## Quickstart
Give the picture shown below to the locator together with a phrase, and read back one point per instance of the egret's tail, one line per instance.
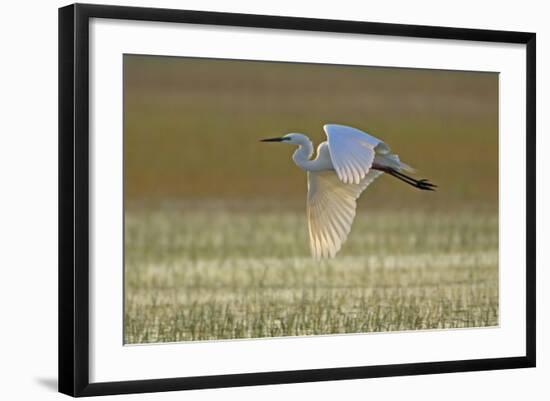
(406, 167)
(391, 160)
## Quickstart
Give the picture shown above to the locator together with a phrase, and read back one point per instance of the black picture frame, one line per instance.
(74, 198)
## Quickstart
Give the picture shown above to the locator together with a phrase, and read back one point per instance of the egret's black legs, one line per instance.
(423, 184)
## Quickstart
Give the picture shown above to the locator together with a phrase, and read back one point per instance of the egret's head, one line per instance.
(292, 138)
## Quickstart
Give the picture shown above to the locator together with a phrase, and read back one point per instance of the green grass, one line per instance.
(212, 272)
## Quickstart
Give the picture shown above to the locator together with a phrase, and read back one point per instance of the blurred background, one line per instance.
(192, 128)
(216, 243)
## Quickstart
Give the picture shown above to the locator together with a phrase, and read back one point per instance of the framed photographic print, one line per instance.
(250, 199)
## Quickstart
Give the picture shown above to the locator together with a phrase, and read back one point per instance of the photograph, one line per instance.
(271, 199)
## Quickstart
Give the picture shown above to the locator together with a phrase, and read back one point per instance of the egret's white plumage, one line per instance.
(352, 152)
(345, 165)
(331, 209)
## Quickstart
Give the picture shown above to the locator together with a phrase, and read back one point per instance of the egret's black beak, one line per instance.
(281, 139)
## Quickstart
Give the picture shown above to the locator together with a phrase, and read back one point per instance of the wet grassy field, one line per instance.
(215, 274)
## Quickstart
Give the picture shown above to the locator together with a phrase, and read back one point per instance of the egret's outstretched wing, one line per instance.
(352, 151)
(331, 210)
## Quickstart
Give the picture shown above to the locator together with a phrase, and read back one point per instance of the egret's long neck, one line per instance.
(302, 155)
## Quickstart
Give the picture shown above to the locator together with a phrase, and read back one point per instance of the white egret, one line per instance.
(345, 165)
